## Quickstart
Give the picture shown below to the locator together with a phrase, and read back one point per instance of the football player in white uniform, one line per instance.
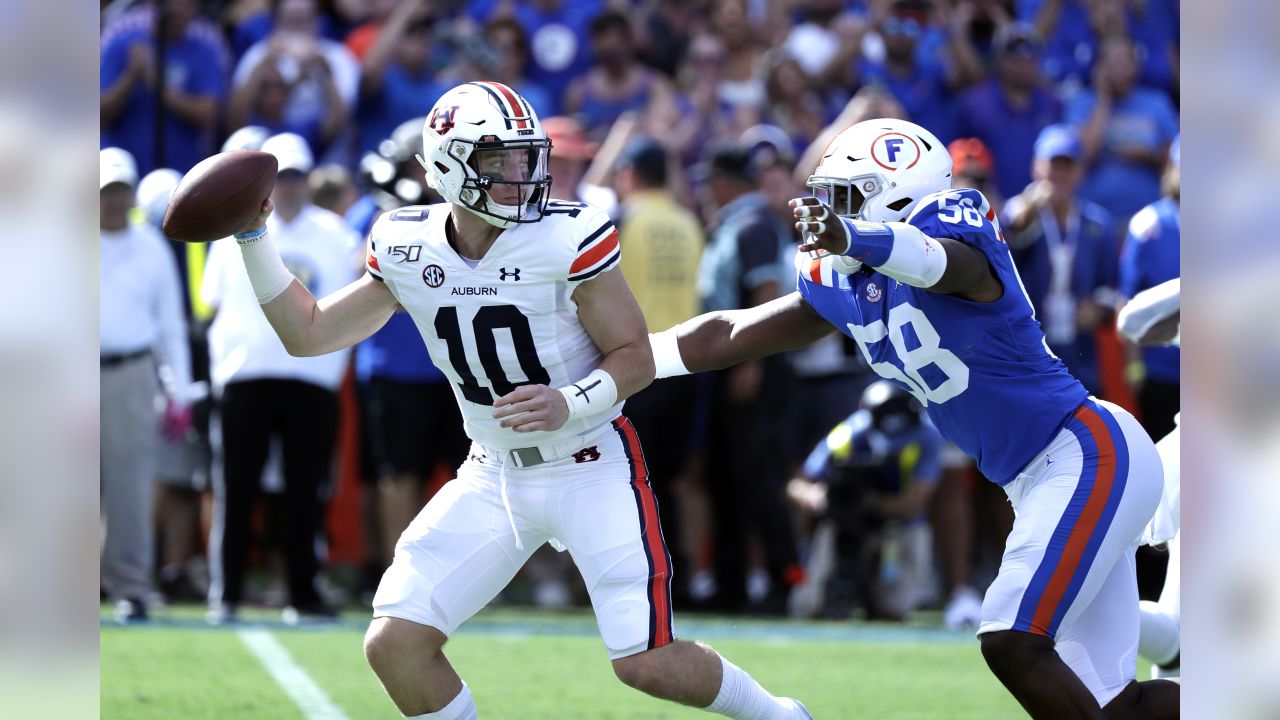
(1153, 318)
(522, 306)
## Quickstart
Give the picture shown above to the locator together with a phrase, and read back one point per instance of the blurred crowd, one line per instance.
(788, 485)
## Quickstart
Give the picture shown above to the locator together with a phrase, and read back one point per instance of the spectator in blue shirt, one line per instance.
(511, 56)
(924, 85)
(1150, 257)
(1008, 111)
(871, 480)
(1065, 250)
(617, 83)
(1073, 29)
(1126, 130)
(194, 85)
(558, 40)
(321, 78)
(397, 82)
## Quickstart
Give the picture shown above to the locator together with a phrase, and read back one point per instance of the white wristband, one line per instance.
(916, 259)
(594, 393)
(666, 354)
(267, 273)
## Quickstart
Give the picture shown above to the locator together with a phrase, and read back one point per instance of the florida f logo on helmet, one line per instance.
(485, 150)
(895, 151)
(878, 170)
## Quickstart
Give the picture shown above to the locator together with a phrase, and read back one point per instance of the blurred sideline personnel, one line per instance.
(1151, 256)
(190, 91)
(1153, 318)
(746, 483)
(919, 275)
(871, 481)
(265, 395)
(1065, 250)
(969, 516)
(661, 247)
(182, 471)
(141, 330)
(409, 420)
(521, 305)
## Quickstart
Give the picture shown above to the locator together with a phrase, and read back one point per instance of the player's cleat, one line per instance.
(964, 610)
(131, 610)
(799, 706)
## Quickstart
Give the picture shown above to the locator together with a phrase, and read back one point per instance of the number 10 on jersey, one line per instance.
(484, 326)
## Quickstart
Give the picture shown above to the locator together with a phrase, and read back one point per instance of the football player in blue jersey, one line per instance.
(918, 274)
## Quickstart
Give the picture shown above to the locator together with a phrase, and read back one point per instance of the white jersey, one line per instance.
(508, 321)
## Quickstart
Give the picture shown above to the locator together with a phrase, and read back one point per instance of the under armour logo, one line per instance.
(583, 390)
(586, 455)
(515, 274)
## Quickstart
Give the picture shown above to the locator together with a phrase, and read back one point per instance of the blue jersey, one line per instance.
(982, 370)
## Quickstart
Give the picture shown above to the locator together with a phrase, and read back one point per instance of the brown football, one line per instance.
(220, 195)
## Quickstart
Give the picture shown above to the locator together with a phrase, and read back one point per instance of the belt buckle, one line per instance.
(527, 457)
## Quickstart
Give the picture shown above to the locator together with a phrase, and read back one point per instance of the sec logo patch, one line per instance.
(874, 293)
(433, 276)
(895, 151)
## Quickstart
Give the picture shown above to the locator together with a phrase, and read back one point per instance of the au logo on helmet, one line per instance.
(442, 119)
(895, 151)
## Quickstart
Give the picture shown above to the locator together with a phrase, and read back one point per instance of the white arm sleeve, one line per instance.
(1148, 308)
(666, 354)
(916, 259)
(267, 273)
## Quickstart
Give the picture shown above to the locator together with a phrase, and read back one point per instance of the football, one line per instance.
(220, 195)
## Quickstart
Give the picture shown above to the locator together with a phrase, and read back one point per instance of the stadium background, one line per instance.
(772, 77)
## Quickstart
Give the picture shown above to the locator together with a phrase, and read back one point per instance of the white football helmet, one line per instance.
(486, 116)
(878, 170)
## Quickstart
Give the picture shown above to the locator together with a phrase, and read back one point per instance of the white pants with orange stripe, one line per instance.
(1068, 569)
(461, 550)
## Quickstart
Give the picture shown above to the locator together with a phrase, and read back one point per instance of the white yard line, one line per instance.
(291, 678)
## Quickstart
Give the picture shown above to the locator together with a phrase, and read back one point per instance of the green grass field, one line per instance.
(531, 665)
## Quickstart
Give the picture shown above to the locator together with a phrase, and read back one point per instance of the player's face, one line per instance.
(290, 192)
(1062, 172)
(114, 203)
(840, 198)
(509, 165)
(900, 33)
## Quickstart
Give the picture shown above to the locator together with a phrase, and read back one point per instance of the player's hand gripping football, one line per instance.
(820, 227)
(529, 408)
(260, 221)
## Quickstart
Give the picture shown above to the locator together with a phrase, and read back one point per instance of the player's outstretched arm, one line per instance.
(717, 340)
(1152, 316)
(306, 326)
(901, 251)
